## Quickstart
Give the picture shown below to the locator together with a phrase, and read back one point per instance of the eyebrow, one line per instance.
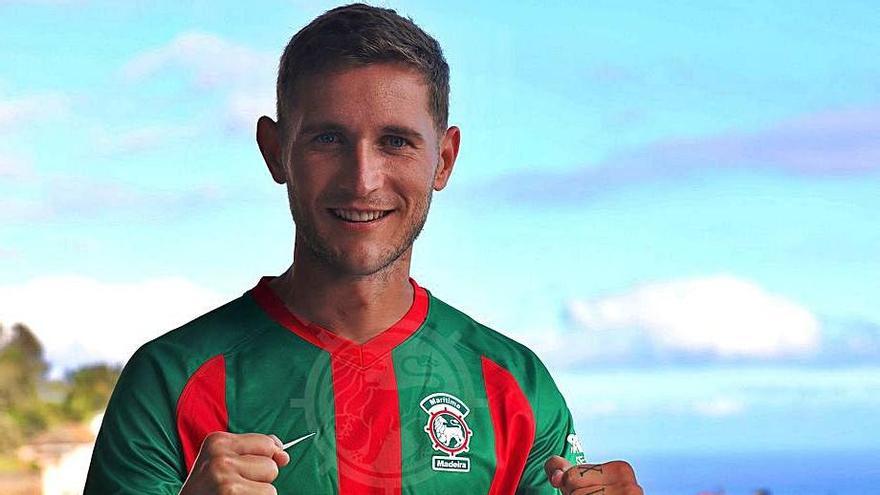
(401, 130)
(321, 127)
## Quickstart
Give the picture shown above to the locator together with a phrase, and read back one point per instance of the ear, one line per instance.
(448, 153)
(270, 147)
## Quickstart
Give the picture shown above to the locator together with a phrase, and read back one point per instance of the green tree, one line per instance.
(89, 389)
(22, 374)
(30, 403)
(22, 366)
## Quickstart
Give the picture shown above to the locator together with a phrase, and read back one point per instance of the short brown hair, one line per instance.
(360, 34)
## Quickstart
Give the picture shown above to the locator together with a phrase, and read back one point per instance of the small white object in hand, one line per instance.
(298, 440)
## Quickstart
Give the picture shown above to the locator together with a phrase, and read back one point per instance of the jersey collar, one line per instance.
(360, 355)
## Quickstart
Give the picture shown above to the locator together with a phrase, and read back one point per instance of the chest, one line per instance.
(404, 422)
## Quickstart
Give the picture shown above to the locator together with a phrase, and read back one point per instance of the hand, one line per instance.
(610, 478)
(236, 463)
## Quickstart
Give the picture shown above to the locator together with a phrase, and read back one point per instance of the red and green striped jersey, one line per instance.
(435, 404)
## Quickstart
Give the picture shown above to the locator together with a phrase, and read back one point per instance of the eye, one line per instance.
(395, 141)
(327, 138)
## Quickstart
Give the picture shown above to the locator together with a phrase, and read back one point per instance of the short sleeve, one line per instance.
(554, 435)
(137, 449)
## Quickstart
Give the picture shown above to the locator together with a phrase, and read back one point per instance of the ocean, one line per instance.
(838, 473)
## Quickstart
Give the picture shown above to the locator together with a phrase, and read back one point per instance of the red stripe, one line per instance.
(368, 454)
(201, 408)
(514, 424)
(366, 409)
(365, 354)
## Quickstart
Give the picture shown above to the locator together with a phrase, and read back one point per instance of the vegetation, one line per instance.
(31, 403)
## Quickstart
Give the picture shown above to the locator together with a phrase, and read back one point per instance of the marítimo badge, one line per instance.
(448, 431)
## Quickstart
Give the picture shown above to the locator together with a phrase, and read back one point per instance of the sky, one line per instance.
(673, 203)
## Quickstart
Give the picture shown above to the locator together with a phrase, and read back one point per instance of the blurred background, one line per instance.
(674, 203)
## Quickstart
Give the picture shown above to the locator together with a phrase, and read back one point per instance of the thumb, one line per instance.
(555, 467)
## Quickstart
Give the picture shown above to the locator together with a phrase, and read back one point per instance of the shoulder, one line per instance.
(495, 348)
(142, 423)
(177, 354)
(508, 368)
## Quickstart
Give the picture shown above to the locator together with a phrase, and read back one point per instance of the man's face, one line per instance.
(361, 156)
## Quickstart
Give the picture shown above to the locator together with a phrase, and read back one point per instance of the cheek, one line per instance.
(420, 182)
(308, 178)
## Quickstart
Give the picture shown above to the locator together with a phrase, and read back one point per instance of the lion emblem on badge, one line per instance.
(448, 431)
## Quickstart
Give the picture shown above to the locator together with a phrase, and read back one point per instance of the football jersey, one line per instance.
(438, 403)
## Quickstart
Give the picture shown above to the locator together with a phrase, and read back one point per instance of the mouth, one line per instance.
(359, 216)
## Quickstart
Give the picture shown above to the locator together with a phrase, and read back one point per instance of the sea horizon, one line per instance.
(839, 472)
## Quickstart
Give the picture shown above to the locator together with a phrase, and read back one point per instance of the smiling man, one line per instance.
(383, 388)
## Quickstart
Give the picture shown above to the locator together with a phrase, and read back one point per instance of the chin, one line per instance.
(362, 263)
(354, 257)
(371, 265)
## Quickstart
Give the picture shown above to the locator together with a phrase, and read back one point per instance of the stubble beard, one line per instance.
(337, 261)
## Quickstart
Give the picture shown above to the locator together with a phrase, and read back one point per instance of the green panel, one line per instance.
(433, 361)
(553, 425)
(137, 449)
(279, 384)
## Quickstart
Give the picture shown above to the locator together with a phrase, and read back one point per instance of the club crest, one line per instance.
(448, 431)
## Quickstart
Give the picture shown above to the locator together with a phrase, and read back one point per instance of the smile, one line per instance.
(359, 216)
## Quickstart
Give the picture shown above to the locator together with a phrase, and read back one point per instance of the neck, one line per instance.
(357, 307)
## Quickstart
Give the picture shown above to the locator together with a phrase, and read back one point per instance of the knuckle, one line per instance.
(230, 490)
(222, 464)
(221, 481)
(215, 441)
(634, 490)
(268, 470)
(267, 443)
(569, 477)
(621, 469)
(215, 436)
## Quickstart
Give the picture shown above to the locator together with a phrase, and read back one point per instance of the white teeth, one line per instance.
(359, 216)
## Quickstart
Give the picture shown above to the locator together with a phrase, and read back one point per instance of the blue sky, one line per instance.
(682, 196)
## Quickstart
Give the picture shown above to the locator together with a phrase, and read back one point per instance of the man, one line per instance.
(386, 388)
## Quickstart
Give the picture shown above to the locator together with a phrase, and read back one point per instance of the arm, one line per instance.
(137, 449)
(554, 434)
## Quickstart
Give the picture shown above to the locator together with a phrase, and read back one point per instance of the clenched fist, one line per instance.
(236, 463)
(610, 478)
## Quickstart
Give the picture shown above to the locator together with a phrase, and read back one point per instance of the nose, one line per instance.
(364, 173)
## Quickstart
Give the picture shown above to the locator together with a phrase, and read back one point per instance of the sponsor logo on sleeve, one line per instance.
(448, 431)
(575, 449)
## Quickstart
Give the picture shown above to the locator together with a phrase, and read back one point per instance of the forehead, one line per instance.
(375, 92)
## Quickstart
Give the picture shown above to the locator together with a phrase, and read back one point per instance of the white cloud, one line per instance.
(711, 392)
(25, 109)
(81, 320)
(142, 139)
(601, 407)
(722, 316)
(245, 108)
(72, 198)
(15, 167)
(9, 253)
(699, 319)
(207, 61)
(43, 2)
(719, 407)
